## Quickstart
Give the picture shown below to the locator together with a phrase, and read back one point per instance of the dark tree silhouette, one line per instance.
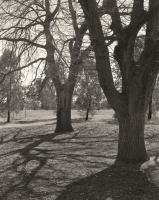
(138, 78)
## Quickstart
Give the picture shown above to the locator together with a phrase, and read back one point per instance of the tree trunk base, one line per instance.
(62, 129)
(131, 146)
(132, 160)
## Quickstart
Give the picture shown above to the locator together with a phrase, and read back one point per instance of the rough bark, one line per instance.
(64, 100)
(131, 146)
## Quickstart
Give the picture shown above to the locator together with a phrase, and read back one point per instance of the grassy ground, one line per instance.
(41, 117)
(37, 164)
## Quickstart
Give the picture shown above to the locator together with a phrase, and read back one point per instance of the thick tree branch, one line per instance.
(73, 16)
(138, 10)
(101, 52)
(111, 8)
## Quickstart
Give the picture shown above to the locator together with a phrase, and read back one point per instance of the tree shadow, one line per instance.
(26, 166)
(20, 175)
(118, 182)
(37, 163)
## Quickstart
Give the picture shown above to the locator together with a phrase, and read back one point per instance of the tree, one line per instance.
(34, 25)
(10, 88)
(37, 28)
(41, 95)
(32, 95)
(154, 107)
(88, 90)
(48, 96)
(155, 96)
(138, 78)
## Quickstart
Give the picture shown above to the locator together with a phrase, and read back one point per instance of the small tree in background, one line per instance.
(41, 96)
(48, 96)
(155, 98)
(33, 95)
(88, 91)
(10, 88)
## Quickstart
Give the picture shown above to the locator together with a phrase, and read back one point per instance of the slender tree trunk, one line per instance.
(150, 109)
(8, 109)
(87, 114)
(9, 101)
(25, 113)
(8, 116)
(42, 106)
(64, 99)
(88, 110)
(131, 145)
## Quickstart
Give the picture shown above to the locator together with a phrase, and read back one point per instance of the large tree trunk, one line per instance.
(64, 99)
(131, 145)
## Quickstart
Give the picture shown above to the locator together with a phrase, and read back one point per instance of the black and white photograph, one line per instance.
(79, 99)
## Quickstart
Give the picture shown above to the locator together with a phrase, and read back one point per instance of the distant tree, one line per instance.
(32, 95)
(39, 95)
(150, 110)
(153, 107)
(48, 96)
(88, 90)
(10, 88)
(155, 98)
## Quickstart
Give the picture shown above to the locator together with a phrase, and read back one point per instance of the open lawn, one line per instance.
(41, 117)
(37, 164)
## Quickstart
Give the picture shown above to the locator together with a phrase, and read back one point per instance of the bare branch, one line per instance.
(101, 52)
(20, 68)
(56, 9)
(111, 8)
(73, 15)
(23, 40)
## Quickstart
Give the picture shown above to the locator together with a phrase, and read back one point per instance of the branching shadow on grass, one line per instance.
(116, 183)
(43, 164)
(22, 178)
